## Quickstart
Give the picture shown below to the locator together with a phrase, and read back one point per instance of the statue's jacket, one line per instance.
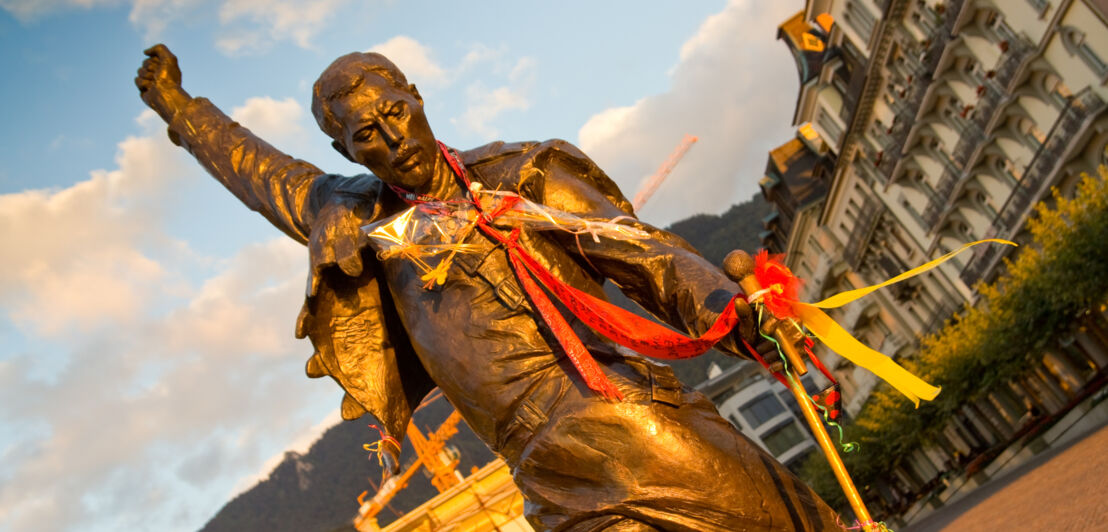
(388, 341)
(352, 322)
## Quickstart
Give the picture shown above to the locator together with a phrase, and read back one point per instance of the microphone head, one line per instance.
(738, 264)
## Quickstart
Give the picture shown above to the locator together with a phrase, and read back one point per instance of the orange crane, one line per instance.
(651, 185)
(431, 452)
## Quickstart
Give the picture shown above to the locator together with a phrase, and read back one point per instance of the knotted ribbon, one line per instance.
(779, 296)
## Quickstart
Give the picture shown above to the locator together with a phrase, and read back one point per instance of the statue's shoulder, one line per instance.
(366, 185)
(519, 153)
(527, 166)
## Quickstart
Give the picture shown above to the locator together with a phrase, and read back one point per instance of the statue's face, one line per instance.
(385, 130)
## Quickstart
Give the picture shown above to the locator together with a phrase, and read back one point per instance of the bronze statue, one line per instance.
(659, 459)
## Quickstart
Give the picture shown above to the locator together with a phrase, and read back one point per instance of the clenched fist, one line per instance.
(159, 82)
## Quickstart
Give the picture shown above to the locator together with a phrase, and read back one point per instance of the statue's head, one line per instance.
(375, 118)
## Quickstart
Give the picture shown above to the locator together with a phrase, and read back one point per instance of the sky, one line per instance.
(148, 371)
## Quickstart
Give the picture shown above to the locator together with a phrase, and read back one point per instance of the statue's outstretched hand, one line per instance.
(738, 265)
(159, 82)
(747, 326)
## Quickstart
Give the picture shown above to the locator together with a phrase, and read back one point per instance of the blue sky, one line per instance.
(148, 369)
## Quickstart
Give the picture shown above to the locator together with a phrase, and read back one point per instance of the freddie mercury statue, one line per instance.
(659, 458)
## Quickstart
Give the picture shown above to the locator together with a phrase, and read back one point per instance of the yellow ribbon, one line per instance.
(841, 342)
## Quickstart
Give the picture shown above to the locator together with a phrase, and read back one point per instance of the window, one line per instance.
(814, 244)
(1008, 169)
(827, 123)
(730, 392)
(925, 186)
(986, 205)
(783, 438)
(762, 409)
(797, 462)
(913, 212)
(1060, 96)
(860, 18)
(1098, 65)
(1004, 33)
(809, 385)
(965, 231)
(1035, 136)
(1075, 43)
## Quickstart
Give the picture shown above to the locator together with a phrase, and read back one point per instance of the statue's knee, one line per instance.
(615, 523)
(627, 524)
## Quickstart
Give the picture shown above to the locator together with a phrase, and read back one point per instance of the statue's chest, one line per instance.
(457, 291)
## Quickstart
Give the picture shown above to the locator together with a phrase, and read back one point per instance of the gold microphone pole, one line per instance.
(739, 266)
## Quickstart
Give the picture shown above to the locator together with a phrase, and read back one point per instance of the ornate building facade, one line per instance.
(924, 125)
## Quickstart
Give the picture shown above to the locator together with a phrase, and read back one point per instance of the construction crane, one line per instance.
(651, 185)
(431, 452)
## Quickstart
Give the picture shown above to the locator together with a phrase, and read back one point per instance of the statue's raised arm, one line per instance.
(295, 196)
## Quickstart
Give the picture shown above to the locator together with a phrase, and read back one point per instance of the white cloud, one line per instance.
(222, 315)
(73, 260)
(523, 71)
(254, 25)
(276, 121)
(484, 106)
(606, 125)
(302, 444)
(478, 54)
(27, 10)
(153, 16)
(135, 396)
(719, 93)
(414, 59)
(247, 26)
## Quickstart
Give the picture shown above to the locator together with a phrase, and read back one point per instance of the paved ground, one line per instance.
(1060, 489)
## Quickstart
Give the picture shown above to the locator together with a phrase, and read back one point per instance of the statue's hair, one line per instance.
(342, 77)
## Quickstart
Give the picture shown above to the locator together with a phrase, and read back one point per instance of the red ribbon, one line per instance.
(616, 324)
(779, 285)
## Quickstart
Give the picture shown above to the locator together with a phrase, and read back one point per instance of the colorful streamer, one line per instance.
(778, 294)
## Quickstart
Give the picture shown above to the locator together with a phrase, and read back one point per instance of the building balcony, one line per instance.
(938, 203)
(867, 170)
(1044, 166)
(983, 259)
(973, 134)
(1018, 50)
(1048, 158)
(996, 84)
(922, 78)
(868, 217)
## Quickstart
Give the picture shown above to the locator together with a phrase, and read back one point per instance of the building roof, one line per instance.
(797, 167)
(807, 43)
